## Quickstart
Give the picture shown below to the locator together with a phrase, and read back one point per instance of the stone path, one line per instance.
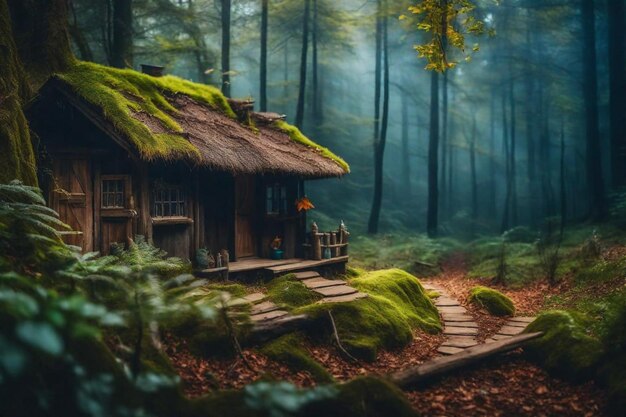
(460, 329)
(332, 290)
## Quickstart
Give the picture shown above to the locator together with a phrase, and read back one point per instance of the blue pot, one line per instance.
(277, 254)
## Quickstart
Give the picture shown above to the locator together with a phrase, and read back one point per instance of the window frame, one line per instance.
(276, 199)
(126, 191)
(158, 205)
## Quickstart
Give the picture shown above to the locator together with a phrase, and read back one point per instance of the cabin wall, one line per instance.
(216, 202)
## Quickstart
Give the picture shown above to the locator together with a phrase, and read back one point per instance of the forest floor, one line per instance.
(506, 385)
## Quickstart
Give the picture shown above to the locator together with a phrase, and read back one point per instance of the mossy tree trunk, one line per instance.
(122, 45)
(33, 44)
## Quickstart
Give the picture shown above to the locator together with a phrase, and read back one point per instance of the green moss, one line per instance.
(493, 301)
(236, 290)
(396, 306)
(288, 350)
(297, 136)
(612, 370)
(17, 160)
(565, 348)
(364, 397)
(122, 92)
(290, 292)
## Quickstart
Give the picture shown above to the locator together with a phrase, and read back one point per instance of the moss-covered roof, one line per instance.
(168, 118)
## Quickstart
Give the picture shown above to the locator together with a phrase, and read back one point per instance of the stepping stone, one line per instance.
(517, 324)
(466, 331)
(335, 291)
(452, 310)
(446, 302)
(306, 275)
(457, 317)
(269, 316)
(523, 319)
(322, 283)
(510, 331)
(501, 336)
(449, 350)
(254, 297)
(343, 298)
(460, 342)
(461, 324)
(264, 307)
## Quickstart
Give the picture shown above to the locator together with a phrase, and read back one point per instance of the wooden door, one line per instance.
(116, 209)
(72, 197)
(245, 225)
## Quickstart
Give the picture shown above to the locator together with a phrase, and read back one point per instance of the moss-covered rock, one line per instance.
(565, 348)
(397, 305)
(288, 350)
(612, 370)
(493, 301)
(289, 292)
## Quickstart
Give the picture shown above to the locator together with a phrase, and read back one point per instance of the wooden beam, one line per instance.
(439, 366)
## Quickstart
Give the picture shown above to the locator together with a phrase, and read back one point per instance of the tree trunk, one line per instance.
(316, 88)
(405, 158)
(16, 153)
(617, 90)
(226, 7)
(506, 212)
(41, 38)
(513, 163)
(379, 146)
(122, 42)
(303, 64)
(562, 181)
(598, 208)
(432, 218)
(444, 146)
(472, 151)
(492, 158)
(263, 81)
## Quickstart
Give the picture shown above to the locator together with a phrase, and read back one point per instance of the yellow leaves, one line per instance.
(304, 204)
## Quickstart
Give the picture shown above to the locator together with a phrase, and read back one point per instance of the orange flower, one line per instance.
(304, 204)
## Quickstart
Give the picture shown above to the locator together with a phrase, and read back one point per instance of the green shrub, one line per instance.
(565, 348)
(520, 234)
(493, 301)
(397, 305)
(288, 350)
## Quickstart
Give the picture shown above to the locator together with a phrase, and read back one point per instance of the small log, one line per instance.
(264, 331)
(439, 366)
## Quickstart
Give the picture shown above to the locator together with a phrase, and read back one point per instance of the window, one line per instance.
(113, 193)
(169, 201)
(276, 199)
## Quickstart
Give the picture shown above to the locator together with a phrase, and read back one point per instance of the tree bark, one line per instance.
(432, 218)
(444, 146)
(226, 8)
(315, 87)
(513, 151)
(263, 81)
(598, 207)
(122, 42)
(562, 181)
(472, 152)
(617, 90)
(492, 158)
(405, 164)
(34, 43)
(303, 64)
(506, 212)
(379, 146)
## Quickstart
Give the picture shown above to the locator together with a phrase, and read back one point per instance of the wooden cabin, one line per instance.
(175, 162)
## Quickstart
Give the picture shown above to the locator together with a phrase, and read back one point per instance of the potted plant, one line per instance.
(275, 251)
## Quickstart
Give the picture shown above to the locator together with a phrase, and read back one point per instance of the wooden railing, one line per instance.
(326, 245)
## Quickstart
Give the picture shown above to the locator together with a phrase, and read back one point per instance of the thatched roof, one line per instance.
(170, 119)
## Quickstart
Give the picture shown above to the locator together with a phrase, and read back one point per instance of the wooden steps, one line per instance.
(333, 290)
(304, 265)
(513, 327)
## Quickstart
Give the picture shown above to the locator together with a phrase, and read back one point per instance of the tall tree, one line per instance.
(316, 85)
(303, 63)
(122, 42)
(33, 44)
(225, 18)
(432, 217)
(617, 90)
(264, 28)
(381, 141)
(597, 204)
